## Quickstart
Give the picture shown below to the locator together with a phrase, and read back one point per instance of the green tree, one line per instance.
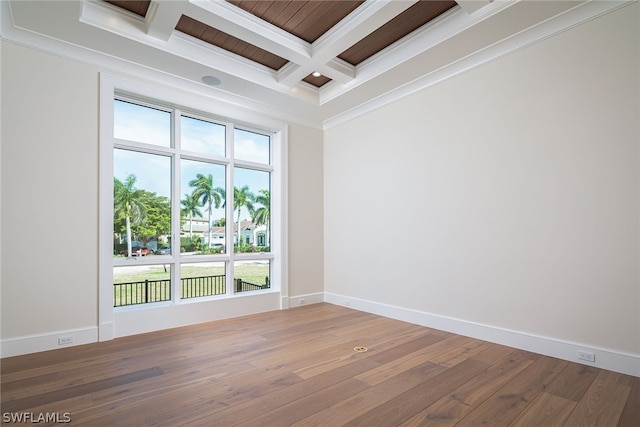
(207, 195)
(262, 215)
(190, 208)
(242, 198)
(158, 217)
(128, 202)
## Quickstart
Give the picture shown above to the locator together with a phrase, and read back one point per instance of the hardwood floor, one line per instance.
(298, 367)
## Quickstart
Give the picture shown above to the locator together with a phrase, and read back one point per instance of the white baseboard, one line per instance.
(305, 299)
(50, 341)
(604, 358)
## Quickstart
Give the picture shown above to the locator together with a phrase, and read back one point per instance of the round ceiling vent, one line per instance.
(211, 80)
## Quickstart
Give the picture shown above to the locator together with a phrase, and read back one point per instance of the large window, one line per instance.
(192, 205)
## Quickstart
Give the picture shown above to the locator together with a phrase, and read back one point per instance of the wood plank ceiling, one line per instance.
(306, 20)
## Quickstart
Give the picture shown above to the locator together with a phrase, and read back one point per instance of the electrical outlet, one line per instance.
(301, 301)
(586, 356)
(65, 340)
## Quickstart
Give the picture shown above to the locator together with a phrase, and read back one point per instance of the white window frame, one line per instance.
(198, 106)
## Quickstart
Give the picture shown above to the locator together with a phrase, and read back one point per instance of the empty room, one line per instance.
(320, 213)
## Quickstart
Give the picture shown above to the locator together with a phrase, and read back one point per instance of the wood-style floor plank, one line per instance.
(559, 399)
(604, 401)
(454, 406)
(255, 407)
(548, 410)
(395, 361)
(400, 408)
(505, 405)
(372, 397)
(298, 367)
(631, 412)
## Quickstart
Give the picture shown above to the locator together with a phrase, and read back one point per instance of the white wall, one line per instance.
(507, 196)
(306, 250)
(50, 204)
(1, 176)
(49, 193)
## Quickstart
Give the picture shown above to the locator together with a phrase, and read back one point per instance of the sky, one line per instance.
(153, 171)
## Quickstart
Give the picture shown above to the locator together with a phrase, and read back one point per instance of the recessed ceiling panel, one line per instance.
(139, 7)
(405, 23)
(318, 81)
(228, 42)
(307, 20)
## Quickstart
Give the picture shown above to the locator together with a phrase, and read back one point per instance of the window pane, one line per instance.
(202, 222)
(141, 124)
(251, 146)
(251, 275)
(203, 137)
(251, 207)
(141, 202)
(141, 284)
(202, 279)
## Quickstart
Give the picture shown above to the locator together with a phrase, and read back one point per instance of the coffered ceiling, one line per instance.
(306, 21)
(310, 60)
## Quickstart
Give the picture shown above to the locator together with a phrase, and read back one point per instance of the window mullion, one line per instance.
(175, 207)
(229, 211)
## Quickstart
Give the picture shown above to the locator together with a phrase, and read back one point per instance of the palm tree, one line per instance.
(128, 201)
(262, 215)
(190, 208)
(242, 198)
(206, 194)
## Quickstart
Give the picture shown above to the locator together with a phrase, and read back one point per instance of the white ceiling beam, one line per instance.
(471, 6)
(287, 70)
(357, 25)
(162, 17)
(110, 18)
(234, 21)
(339, 70)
